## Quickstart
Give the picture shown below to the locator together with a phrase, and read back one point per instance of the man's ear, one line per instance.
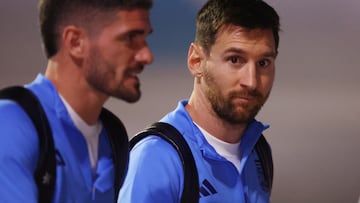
(74, 41)
(195, 58)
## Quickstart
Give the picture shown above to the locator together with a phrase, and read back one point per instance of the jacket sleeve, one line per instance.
(154, 175)
(18, 154)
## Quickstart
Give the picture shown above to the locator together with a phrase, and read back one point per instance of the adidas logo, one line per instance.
(206, 189)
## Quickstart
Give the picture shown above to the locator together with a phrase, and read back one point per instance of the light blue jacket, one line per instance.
(155, 172)
(19, 152)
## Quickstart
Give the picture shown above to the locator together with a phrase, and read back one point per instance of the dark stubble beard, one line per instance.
(100, 73)
(225, 109)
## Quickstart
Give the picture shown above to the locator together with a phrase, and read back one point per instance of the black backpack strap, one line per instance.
(169, 133)
(119, 145)
(45, 172)
(263, 150)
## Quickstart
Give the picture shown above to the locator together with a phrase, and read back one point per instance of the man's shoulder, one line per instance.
(18, 135)
(12, 113)
(153, 144)
(16, 126)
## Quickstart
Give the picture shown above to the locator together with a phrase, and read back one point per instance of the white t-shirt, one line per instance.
(91, 134)
(231, 151)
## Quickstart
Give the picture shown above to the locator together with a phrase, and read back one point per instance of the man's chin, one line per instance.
(243, 115)
(129, 97)
(132, 99)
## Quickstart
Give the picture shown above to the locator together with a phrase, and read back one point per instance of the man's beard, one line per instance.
(225, 107)
(100, 73)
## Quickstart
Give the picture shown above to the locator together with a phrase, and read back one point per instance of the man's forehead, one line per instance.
(238, 33)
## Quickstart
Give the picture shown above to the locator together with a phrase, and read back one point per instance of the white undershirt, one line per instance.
(91, 134)
(231, 151)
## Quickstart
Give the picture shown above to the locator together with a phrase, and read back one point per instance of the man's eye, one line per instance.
(264, 63)
(234, 59)
(130, 37)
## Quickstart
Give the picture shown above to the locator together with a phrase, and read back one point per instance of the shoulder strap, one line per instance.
(119, 145)
(169, 133)
(45, 172)
(263, 150)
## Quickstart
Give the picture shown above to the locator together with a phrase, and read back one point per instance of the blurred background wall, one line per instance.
(313, 109)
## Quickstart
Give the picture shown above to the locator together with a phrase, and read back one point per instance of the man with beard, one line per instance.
(233, 64)
(95, 50)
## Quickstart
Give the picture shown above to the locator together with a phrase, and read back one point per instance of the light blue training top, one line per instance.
(19, 152)
(156, 175)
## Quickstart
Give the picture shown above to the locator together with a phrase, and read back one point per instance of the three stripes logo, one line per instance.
(206, 189)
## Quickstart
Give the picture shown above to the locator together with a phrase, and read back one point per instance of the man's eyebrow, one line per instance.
(140, 31)
(234, 50)
(271, 54)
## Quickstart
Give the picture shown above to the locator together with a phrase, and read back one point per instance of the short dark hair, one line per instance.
(53, 14)
(250, 14)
